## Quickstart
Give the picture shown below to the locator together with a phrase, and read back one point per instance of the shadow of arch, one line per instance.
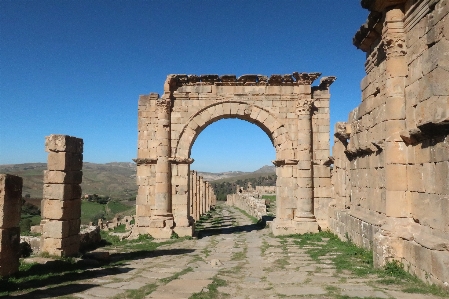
(257, 115)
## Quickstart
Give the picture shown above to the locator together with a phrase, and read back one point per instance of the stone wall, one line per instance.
(249, 201)
(266, 189)
(10, 206)
(391, 158)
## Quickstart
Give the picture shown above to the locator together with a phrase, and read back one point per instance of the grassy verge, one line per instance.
(62, 271)
(347, 256)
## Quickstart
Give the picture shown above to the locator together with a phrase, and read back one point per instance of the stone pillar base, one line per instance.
(155, 232)
(184, 231)
(290, 227)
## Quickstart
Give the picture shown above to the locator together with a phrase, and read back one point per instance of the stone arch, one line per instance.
(281, 105)
(259, 116)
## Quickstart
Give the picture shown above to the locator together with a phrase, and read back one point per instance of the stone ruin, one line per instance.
(248, 200)
(10, 206)
(391, 157)
(293, 113)
(389, 189)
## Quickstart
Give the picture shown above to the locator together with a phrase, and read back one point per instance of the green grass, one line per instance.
(116, 207)
(89, 210)
(347, 256)
(62, 271)
(271, 198)
(213, 292)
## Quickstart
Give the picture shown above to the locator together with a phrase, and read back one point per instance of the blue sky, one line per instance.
(78, 67)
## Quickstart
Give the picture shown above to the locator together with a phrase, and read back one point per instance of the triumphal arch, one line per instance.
(293, 113)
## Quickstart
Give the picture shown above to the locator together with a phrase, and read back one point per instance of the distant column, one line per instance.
(61, 204)
(10, 206)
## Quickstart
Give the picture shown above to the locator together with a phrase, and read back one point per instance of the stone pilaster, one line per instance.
(10, 206)
(393, 38)
(61, 204)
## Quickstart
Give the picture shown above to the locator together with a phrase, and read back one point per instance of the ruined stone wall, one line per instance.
(266, 189)
(248, 201)
(391, 159)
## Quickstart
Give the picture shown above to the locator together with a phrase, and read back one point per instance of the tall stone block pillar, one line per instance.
(61, 204)
(393, 38)
(10, 206)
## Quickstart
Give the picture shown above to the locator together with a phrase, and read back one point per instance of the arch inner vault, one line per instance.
(294, 114)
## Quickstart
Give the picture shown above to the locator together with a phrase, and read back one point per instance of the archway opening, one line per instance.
(235, 155)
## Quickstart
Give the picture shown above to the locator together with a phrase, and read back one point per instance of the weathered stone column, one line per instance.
(396, 69)
(198, 196)
(304, 217)
(162, 198)
(10, 206)
(192, 193)
(61, 204)
(202, 196)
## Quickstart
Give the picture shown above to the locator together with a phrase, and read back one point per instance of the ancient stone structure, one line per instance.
(294, 115)
(199, 203)
(391, 158)
(61, 204)
(249, 201)
(10, 206)
(266, 189)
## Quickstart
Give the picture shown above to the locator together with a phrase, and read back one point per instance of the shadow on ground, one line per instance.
(63, 271)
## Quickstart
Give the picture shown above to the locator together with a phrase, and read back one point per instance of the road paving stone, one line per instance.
(252, 262)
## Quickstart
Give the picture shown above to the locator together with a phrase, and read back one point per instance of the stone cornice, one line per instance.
(174, 160)
(368, 32)
(380, 5)
(145, 161)
(249, 80)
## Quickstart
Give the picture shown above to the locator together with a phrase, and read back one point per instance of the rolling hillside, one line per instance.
(116, 180)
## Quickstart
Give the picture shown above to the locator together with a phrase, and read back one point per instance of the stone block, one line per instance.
(62, 177)
(442, 178)
(62, 191)
(10, 200)
(9, 251)
(55, 209)
(63, 143)
(61, 247)
(396, 177)
(60, 229)
(440, 265)
(65, 161)
(397, 204)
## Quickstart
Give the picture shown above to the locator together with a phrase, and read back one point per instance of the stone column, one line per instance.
(396, 69)
(304, 217)
(61, 204)
(198, 196)
(162, 198)
(10, 206)
(202, 196)
(192, 193)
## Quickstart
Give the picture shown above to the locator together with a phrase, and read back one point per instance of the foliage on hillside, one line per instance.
(223, 188)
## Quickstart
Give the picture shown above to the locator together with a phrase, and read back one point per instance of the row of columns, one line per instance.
(202, 196)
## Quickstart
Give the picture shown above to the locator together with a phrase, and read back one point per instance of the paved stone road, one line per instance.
(253, 264)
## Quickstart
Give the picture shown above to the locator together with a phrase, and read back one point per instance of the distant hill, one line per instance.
(116, 179)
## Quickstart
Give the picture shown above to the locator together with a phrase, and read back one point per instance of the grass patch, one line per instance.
(120, 229)
(212, 292)
(347, 256)
(253, 219)
(176, 275)
(139, 293)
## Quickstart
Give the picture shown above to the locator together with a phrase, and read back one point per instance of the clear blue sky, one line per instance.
(78, 67)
